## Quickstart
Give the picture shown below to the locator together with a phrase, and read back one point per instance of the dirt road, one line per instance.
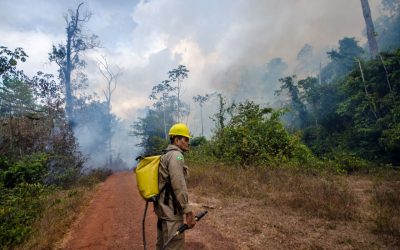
(113, 220)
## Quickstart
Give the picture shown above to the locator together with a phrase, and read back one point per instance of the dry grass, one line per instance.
(386, 204)
(315, 195)
(62, 208)
(286, 208)
(328, 197)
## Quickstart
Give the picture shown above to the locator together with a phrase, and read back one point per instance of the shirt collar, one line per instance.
(173, 147)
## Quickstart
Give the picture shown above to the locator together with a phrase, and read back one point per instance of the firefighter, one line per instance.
(172, 208)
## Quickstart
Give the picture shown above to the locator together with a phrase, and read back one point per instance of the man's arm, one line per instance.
(178, 182)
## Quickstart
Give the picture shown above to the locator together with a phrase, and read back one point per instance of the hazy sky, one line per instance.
(214, 39)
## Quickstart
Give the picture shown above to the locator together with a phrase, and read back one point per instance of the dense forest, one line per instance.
(347, 112)
(344, 116)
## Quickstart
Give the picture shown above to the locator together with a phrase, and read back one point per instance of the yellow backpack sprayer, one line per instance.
(147, 182)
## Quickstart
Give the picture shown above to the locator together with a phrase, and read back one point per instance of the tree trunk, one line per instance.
(201, 111)
(373, 46)
(371, 101)
(165, 125)
(179, 104)
(319, 76)
(67, 73)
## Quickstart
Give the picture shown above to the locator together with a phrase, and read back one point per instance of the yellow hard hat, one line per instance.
(179, 129)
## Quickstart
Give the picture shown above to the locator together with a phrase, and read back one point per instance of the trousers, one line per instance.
(165, 230)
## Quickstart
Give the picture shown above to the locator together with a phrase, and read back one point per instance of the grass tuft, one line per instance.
(325, 197)
(386, 203)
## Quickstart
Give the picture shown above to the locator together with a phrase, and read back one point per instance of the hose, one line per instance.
(143, 226)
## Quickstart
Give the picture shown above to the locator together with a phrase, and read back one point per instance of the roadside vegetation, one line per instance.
(36, 211)
(43, 181)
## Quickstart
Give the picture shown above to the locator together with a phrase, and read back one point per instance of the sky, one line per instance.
(227, 45)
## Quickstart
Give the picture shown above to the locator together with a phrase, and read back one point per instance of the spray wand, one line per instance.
(184, 227)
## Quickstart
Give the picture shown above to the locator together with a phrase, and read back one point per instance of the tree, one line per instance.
(310, 94)
(150, 131)
(9, 60)
(274, 70)
(373, 46)
(296, 104)
(374, 130)
(47, 91)
(306, 62)
(178, 75)
(67, 56)
(387, 26)
(220, 116)
(111, 77)
(201, 100)
(34, 123)
(342, 60)
(161, 94)
(16, 97)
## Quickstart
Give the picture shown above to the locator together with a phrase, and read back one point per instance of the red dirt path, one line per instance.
(113, 220)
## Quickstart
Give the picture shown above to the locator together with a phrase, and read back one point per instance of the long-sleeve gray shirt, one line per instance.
(173, 169)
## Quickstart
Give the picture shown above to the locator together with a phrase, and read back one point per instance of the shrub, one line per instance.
(201, 154)
(30, 169)
(348, 163)
(94, 176)
(197, 141)
(24, 195)
(255, 135)
(19, 207)
(64, 170)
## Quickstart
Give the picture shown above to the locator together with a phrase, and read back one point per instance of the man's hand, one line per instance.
(190, 221)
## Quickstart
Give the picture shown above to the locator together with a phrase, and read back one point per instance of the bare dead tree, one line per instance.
(178, 75)
(67, 56)
(201, 100)
(111, 77)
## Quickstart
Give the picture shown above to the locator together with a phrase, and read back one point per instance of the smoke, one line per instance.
(239, 48)
(92, 133)
(230, 47)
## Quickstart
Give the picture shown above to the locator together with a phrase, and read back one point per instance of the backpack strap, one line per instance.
(169, 191)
